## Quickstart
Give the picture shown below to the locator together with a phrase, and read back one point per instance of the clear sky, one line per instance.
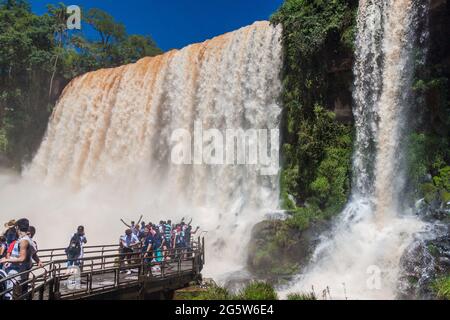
(177, 23)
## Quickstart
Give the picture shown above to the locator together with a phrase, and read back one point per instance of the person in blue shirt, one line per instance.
(147, 246)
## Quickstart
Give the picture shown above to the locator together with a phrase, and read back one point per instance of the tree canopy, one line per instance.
(39, 56)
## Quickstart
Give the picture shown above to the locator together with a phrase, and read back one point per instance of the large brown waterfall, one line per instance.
(107, 151)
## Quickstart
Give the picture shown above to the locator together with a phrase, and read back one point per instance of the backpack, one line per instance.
(74, 248)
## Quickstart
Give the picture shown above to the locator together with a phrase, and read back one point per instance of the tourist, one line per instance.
(144, 231)
(75, 250)
(147, 248)
(152, 229)
(3, 249)
(168, 233)
(19, 259)
(179, 240)
(158, 245)
(128, 243)
(137, 231)
(11, 232)
(133, 225)
(188, 233)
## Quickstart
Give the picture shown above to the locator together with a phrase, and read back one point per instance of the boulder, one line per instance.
(277, 251)
(425, 260)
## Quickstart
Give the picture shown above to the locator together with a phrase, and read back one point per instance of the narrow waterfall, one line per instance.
(360, 258)
(107, 151)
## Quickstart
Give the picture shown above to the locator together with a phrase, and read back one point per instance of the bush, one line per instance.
(214, 293)
(317, 170)
(257, 291)
(439, 189)
(441, 287)
(302, 217)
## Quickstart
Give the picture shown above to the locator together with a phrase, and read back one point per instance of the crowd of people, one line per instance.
(18, 251)
(155, 243)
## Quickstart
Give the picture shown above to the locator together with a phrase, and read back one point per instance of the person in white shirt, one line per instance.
(128, 243)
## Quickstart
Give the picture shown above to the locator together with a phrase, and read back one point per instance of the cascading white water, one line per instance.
(360, 258)
(107, 151)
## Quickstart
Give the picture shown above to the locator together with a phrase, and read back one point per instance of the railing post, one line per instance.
(202, 250)
(90, 277)
(117, 276)
(103, 264)
(41, 293)
(52, 286)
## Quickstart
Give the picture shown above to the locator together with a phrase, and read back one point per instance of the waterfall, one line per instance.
(107, 151)
(360, 258)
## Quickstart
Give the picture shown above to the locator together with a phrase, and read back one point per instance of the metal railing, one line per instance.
(48, 255)
(103, 268)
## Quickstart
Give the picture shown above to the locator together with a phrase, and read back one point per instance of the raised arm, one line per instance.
(125, 223)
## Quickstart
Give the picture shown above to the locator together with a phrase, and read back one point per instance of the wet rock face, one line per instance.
(435, 211)
(277, 251)
(3, 160)
(426, 259)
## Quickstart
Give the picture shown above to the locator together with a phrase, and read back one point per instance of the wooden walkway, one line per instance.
(103, 276)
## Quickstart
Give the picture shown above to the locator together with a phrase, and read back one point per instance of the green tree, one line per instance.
(39, 56)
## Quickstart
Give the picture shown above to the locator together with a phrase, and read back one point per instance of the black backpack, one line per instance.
(74, 248)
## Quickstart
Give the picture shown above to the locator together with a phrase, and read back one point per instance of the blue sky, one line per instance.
(177, 23)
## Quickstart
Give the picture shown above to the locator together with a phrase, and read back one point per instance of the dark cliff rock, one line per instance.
(438, 67)
(4, 161)
(277, 250)
(426, 260)
(340, 91)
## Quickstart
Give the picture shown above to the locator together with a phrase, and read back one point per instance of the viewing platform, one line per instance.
(103, 276)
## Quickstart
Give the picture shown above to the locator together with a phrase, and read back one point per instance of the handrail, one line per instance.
(45, 282)
(60, 252)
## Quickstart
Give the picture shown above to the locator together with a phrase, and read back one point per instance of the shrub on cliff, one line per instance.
(257, 291)
(441, 287)
(316, 148)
